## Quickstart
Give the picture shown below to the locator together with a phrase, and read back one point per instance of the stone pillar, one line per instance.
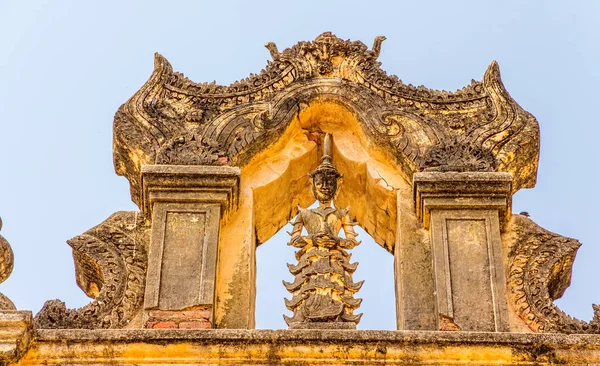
(465, 213)
(186, 205)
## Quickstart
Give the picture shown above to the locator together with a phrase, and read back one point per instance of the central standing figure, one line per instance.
(323, 290)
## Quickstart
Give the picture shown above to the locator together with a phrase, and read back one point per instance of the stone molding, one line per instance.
(462, 190)
(321, 347)
(190, 184)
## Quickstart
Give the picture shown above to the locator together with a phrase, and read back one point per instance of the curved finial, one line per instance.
(272, 47)
(377, 45)
(161, 64)
(492, 74)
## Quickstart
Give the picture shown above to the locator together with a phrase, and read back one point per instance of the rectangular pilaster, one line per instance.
(464, 213)
(415, 285)
(186, 205)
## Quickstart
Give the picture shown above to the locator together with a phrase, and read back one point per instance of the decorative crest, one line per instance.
(415, 126)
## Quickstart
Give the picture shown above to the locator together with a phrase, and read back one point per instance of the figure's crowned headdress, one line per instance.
(326, 167)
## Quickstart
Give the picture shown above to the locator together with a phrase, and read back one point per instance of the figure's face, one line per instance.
(324, 187)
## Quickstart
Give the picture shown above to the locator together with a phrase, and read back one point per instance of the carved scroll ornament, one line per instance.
(540, 264)
(479, 127)
(191, 150)
(110, 265)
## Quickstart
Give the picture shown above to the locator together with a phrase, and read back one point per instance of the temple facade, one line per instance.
(218, 170)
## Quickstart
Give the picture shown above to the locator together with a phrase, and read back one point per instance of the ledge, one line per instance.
(189, 183)
(264, 347)
(462, 190)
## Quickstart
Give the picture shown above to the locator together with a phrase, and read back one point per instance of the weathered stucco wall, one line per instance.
(301, 347)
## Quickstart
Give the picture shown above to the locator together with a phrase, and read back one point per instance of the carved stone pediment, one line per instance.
(172, 120)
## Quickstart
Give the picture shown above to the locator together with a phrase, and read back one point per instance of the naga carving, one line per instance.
(7, 262)
(323, 289)
(110, 266)
(540, 264)
(480, 125)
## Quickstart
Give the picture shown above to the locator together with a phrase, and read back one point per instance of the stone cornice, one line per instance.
(180, 183)
(262, 347)
(466, 190)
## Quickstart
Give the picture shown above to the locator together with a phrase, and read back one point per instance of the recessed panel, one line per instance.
(470, 279)
(181, 267)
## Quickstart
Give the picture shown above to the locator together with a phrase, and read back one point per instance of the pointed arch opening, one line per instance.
(275, 183)
(375, 268)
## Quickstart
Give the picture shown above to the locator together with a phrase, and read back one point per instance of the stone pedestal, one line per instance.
(186, 205)
(16, 328)
(465, 213)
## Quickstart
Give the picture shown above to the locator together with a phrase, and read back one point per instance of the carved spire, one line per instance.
(326, 166)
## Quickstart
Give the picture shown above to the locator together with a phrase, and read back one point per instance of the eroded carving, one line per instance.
(7, 262)
(323, 289)
(190, 150)
(540, 264)
(459, 156)
(411, 124)
(110, 264)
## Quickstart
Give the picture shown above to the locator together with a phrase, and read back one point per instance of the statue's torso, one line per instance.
(323, 221)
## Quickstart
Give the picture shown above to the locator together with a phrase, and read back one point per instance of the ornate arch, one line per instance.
(479, 127)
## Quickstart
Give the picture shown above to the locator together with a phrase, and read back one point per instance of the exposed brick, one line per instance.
(195, 325)
(197, 314)
(164, 325)
(166, 314)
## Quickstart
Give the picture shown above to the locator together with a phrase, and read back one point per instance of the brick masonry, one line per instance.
(191, 318)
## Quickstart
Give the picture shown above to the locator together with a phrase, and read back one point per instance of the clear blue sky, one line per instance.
(66, 66)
